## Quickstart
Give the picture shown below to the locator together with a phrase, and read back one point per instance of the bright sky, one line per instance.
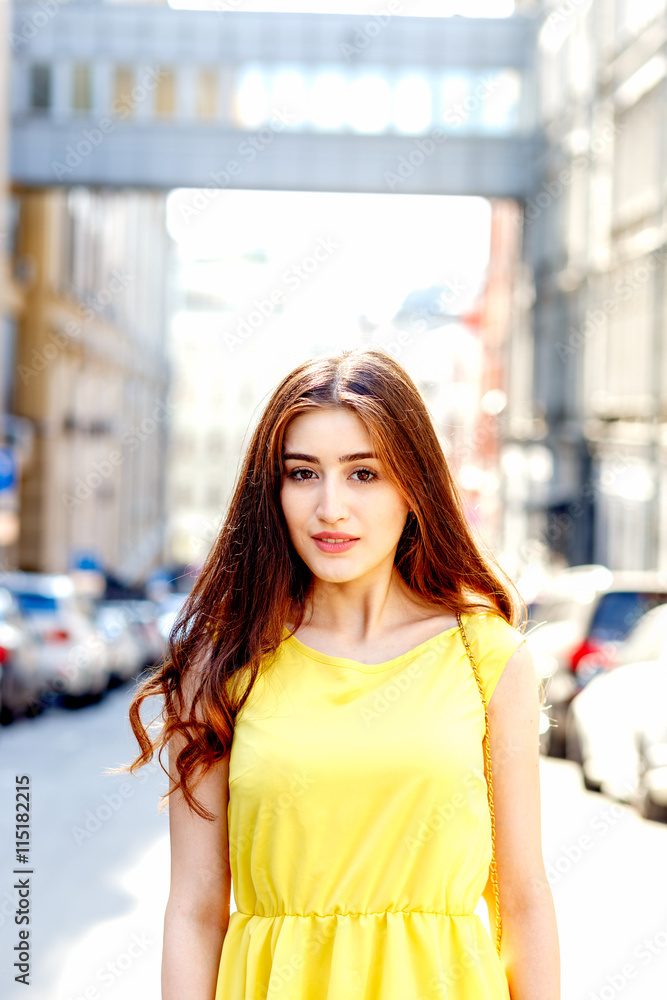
(383, 246)
(386, 245)
(408, 8)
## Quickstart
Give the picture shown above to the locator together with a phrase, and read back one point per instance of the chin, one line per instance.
(335, 574)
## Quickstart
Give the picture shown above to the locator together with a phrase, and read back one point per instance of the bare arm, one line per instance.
(197, 912)
(530, 951)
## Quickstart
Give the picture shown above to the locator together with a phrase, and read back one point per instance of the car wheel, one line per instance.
(74, 701)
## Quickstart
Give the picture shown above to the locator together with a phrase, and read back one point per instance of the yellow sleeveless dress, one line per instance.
(359, 826)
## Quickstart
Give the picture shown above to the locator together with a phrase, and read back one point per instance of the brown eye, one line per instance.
(297, 473)
(367, 474)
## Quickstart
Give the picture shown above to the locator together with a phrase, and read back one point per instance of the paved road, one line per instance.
(101, 870)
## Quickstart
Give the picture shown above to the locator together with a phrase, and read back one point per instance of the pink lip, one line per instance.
(334, 534)
(344, 546)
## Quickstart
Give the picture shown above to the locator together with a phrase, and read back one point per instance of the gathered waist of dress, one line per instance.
(351, 913)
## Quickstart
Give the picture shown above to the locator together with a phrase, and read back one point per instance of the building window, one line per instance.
(81, 88)
(207, 93)
(123, 102)
(165, 93)
(40, 87)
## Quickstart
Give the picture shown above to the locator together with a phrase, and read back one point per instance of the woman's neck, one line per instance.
(363, 609)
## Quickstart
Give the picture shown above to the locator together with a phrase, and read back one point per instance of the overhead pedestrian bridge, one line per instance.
(152, 97)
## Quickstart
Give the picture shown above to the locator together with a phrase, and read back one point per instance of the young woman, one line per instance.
(348, 696)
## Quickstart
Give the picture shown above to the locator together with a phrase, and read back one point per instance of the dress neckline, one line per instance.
(344, 661)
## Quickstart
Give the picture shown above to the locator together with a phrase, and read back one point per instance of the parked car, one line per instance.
(72, 654)
(168, 611)
(581, 616)
(651, 795)
(20, 679)
(125, 651)
(141, 617)
(609, 721)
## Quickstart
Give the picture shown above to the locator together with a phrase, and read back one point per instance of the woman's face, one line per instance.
(333, 488)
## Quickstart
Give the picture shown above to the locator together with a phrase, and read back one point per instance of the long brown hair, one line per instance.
(253, 581)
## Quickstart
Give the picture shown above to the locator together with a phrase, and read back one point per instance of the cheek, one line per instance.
(292, 505)
(392, 510)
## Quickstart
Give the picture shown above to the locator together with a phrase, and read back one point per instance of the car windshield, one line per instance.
(619, 611)
(35, 603)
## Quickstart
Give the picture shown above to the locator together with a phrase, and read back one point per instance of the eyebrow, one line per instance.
(357, 456)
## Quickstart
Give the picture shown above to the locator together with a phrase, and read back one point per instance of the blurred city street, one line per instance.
(196, 196)
(100, 858)
(101, 865)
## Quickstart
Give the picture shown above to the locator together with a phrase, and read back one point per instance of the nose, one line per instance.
(331, 501)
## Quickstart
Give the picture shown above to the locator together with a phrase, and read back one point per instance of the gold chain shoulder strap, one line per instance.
(487, 757)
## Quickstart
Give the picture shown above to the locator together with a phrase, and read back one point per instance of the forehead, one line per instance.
(326, 426)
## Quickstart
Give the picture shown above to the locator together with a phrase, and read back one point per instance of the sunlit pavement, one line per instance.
(101, 869)
(100, 857)
(608, 871)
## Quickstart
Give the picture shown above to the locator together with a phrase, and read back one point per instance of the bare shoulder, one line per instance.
(518, 684)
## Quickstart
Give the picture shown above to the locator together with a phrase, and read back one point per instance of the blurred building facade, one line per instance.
(577, 392)
(492, 319)
(586, 425)
(91, 376)
(15, 434)
(214, 398)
